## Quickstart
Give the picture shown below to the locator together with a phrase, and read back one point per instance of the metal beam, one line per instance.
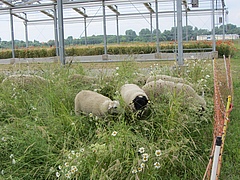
(80, 12)
(114, 9)
(148, 6)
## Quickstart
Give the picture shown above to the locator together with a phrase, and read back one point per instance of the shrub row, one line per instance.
(223, 48)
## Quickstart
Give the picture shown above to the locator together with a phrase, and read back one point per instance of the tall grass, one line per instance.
(231, 155)
(41, 138)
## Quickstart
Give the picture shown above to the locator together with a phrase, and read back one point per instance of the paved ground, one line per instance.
(87, 59)
(111, 58)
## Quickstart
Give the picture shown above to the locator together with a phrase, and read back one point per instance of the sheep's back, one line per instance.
(91, 102)
(130, 91)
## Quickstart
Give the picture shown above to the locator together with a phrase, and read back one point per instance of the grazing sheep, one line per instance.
(92, 102)
(134, 97)
(159, 87)
(140, 79)
(168, 78)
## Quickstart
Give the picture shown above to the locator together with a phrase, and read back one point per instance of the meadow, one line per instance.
(42, 138)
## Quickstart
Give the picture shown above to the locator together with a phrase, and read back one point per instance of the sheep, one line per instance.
(87, 102)
(140, 79)
(168, 78)
(134, 97)
(159, 87)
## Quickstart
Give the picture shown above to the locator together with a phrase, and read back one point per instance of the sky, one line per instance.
(45, 32)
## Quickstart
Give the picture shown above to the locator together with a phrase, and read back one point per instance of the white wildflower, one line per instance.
(57, 174)
(117, 68)
(141, 150)
(158, 153)
(11, 156)
(13, 161)
(114, 133)
(90, 115)
(145, 157)
(68, 175)
(142, 165)
(66, 164)
(140, 169)
(134, 171)
(157, 165)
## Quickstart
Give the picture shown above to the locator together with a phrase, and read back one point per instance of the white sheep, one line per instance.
(87, 102)
(134, 96)
(168, 78)
(157, 88)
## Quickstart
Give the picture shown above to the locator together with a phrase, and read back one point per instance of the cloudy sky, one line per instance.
(45, 31)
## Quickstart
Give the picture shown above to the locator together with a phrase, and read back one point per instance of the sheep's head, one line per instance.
(140, 102)
(113, 107)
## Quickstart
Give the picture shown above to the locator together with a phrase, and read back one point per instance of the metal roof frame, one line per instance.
(141, 7)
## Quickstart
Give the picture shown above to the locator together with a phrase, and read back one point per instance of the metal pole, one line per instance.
(186, 26)
(104, 28)
(85, 30)
(12, 34)
(213, 28)
(56, 31)
(216, 157)
(175, 28)
(61, 31)
(179, 33)
(26, 30)
(157, 26)
(85, 26)
(118, 42)
(151, 26)
(223, 24)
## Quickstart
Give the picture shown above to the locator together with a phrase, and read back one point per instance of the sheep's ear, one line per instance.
(113, 104)
(110, 106)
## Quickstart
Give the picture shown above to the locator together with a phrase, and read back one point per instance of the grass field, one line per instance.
(231, 156)
(42, 138)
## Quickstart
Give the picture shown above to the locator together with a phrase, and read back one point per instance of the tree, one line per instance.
(130, 35)
(145, 35)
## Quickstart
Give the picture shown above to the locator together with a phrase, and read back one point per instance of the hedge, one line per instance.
(223, 47)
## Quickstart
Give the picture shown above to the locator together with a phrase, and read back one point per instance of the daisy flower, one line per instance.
(157, 165)
(141, 150)
(114, 133)
(57, 174)
(158, 153)
(134, 171)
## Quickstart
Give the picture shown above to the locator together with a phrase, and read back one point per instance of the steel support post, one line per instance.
(104, 28)
(213, 28)
(26, 30)
(179, 33)
(61, 31)
(117, 23)
(56, 30)
(157, 27)
(12, 34)
(223, 24)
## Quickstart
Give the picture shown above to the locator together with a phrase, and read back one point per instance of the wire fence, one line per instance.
(223, 103)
